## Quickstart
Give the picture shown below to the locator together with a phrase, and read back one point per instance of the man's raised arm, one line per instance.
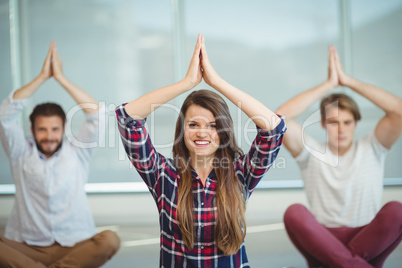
(301, 102)
(389, 128)
(86, 101)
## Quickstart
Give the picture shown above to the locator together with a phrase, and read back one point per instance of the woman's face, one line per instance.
(200, 135)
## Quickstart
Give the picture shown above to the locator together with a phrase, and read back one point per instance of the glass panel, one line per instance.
(377, 57)
(115, 50)
(119, 50)
(5, 78)
(273, 50)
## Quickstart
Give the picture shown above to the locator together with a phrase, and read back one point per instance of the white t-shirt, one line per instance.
(343, 190)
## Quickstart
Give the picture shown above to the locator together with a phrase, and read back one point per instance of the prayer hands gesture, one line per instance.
(200, 66)
(57, 66)
(52, 65)
(336, 73)
(47, 70)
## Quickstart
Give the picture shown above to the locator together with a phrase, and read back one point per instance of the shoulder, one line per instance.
(311, 147)
(370, 142)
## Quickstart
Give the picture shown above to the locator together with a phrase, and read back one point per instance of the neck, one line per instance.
(202, 165)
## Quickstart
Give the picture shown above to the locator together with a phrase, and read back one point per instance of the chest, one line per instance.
(57, 175)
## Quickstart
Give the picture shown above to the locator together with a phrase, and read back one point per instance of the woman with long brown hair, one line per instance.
(201, 193)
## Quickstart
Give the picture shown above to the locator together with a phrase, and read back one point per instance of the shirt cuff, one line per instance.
(11, 99)
(17, 104)
(97, 115)
(280, 129)
(125, 119)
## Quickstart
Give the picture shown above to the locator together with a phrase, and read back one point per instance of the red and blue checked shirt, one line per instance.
(160, 175)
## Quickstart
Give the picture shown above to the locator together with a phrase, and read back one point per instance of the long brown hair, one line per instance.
(230, 227)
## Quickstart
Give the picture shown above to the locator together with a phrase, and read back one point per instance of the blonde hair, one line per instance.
(343, 102)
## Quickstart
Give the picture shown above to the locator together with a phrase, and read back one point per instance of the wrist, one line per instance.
(42, 77)
(187, 84)
(59, 78)
(218, 83)
(330, 85)
(347, 81)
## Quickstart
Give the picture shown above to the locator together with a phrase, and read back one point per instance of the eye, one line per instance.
(192, 124)
(212, 125)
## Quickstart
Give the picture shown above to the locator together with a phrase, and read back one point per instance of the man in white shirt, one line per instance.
(343, 178)
(51, 223)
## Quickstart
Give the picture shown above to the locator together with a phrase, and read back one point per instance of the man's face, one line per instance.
(48, 133)
(340, 125)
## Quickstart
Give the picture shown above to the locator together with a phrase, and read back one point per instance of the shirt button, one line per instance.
(202, 247)
(202, 203)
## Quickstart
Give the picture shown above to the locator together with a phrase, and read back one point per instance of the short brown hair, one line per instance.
(47, 109)
(343, 102)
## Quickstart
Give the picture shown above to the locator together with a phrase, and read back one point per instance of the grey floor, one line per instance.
(265, 249)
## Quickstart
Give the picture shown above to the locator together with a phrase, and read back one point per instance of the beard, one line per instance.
(48, 152)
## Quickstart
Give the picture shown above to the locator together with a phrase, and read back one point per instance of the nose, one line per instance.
(340, 127)
(48, 135)
(202, 132)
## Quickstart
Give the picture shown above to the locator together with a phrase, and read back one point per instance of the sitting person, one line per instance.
(201, 193)
(51, 223)
(343, 178)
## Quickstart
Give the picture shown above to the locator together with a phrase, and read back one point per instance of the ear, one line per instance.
(32, 131)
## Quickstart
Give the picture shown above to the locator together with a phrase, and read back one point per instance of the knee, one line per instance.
(294, 215)
(108, 242)
(391, 213)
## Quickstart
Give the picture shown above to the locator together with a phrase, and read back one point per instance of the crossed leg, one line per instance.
(365, 246)
(92, 252)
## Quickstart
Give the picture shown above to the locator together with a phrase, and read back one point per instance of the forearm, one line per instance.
(11, 134)
(143, 106)
(81, 97)
(28, 90)
(298, 104)
(254, 109)
(386, 101)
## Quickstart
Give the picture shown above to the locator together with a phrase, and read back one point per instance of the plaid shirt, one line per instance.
(160, 175)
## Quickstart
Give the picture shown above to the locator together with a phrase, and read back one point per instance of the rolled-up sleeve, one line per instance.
(11, 133)
(140, 150)
(261, 156)
(90, 134)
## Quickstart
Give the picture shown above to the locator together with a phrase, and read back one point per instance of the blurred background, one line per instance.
(117, 50)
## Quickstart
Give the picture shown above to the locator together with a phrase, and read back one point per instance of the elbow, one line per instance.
(281, 112)
(397, 111)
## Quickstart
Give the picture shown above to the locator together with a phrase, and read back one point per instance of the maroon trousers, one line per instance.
(365, 246)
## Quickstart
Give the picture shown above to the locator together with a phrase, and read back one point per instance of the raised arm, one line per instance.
(255, 110)
(389, 128)
(143, 106)
(26, 91)
(11, 134)
(87, 103)
(298, 104)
